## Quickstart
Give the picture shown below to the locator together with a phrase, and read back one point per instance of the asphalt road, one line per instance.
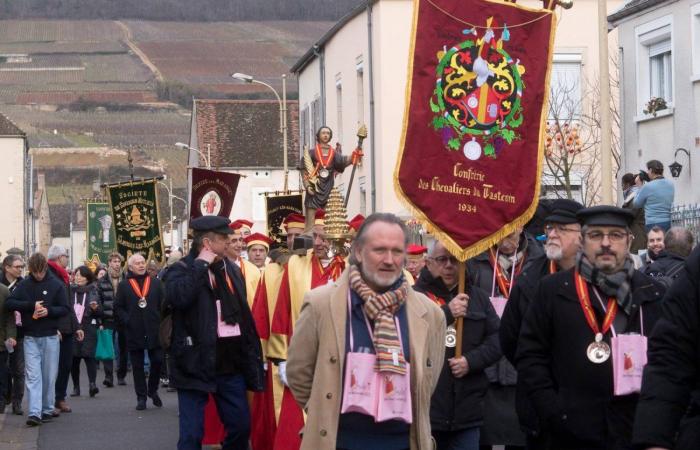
(107, 421)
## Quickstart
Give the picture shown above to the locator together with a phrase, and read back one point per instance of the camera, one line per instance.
(644, 176)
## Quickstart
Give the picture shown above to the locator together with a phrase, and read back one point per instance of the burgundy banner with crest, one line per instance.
(212, 193)
(471, 150)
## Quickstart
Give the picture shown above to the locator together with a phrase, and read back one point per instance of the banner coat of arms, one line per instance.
(136, 219)
(101, 240)
(471, 148)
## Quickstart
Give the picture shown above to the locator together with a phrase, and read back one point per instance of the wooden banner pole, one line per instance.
(462, 268)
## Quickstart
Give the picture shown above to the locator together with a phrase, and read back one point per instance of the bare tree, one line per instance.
(572, 146)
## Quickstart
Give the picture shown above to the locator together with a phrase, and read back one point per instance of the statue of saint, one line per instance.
(319, 168)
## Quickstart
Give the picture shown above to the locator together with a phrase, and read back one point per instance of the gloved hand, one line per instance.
(282, 369)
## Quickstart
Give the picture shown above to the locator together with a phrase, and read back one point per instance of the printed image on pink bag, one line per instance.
(79, 311)
(499, 304)
(394, 395)
(629, 356)
(360, 386)
(223, 329)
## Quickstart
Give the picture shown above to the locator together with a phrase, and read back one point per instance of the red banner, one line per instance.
(212, 193)
(472, 143)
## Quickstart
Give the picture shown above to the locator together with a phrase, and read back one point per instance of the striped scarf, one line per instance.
(381, 308)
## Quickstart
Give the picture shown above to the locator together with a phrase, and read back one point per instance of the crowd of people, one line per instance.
(557, 337)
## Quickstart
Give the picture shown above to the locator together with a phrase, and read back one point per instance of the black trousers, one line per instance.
(65, 362)
(137, 366)
(15, 376)
(4, 375)
(123, 353)
(90, 364)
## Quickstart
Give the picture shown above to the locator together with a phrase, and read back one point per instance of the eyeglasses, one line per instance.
(442, 260)
(560, 229)
(18, 267)
(614, 236)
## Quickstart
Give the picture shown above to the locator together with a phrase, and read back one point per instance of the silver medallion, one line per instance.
(450, 337)
(142, 302)
(323, 173)
(598, 352)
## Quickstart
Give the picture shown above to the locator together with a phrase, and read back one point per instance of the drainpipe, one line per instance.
(621, 108)
(370, 69)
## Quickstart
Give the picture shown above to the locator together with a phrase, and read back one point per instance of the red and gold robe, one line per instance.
(302, 274)
(266, 404)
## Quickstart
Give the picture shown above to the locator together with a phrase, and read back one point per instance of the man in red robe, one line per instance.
(302, 273)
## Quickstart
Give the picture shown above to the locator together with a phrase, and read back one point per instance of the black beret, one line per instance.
(217, 224)
(563, 211)
(605, 215)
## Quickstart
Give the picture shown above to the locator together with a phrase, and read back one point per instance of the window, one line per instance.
(695, 31)
(660, 71)
(654, 54)
(360, 91)
(304, 127)
(339, 108)
(565, 87)
(315, 119)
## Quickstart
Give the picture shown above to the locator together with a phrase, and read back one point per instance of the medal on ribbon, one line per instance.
(324, 163)
(597, 351)
(141, 294)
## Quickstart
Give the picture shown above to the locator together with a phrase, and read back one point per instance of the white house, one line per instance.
(243, 136)
(14, 201)
(660, 48)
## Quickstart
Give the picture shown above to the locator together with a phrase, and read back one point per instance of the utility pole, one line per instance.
(605, 121)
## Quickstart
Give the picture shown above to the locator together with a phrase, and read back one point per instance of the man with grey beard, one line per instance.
(563, 234)
(367, 328)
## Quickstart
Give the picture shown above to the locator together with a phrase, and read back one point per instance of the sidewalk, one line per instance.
(15, 434)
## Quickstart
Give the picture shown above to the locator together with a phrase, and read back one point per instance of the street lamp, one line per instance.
(207, 157)
(170, 205)
(283, 114)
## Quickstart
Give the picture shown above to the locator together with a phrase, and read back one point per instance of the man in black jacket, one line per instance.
(12, 267)
(507, 258)
(456, 407)
(107, 287)
(215, 348)
(668, 264)
(42, 300)
(563, 234)
(137, 306)
(668, 413)
(564, 356)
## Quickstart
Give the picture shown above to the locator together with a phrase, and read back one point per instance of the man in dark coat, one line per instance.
(42, 301)
(138, 305)
(107, 287)
(456, 407)
(563, 242)
(564, 359)
(668, 413)
(507, 257)
(12, 267)
(215, 348)
(678, 243)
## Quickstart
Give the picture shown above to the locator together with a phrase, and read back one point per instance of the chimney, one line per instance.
(40, 181)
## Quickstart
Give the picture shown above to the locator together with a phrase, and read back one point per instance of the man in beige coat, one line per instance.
(374, 287)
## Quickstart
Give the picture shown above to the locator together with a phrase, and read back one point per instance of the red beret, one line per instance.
(416, 250)
(258, 238)
(356, 222)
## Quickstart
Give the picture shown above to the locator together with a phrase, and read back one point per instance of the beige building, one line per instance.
(14, 201)
(346, 79)
(41, 215)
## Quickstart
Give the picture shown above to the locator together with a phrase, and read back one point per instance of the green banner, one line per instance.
(101, 240)
(136, 222)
